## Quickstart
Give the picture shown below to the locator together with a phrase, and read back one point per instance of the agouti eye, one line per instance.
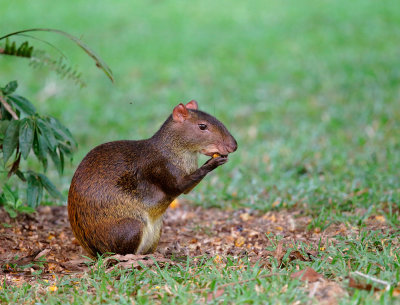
(203, 126)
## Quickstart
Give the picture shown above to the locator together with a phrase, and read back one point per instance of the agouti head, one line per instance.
(200, 132)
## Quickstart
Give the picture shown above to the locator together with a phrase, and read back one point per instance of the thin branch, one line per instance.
(99, 62)
(8, 108)
(45, 42)
(374, 279)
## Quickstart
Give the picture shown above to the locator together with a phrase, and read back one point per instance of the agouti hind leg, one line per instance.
(124, 235)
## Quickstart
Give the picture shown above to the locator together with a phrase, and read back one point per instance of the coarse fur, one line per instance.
(121, 189)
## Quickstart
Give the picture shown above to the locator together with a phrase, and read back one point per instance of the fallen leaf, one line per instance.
(297, 255)
(326, 292)
(380, 218)
(52, 288)
(215, 294)
(239, 241)
(42, 253)
(279, 253)
(354, 284)
(52, 266)
(244, 216)
(134, 261)
(76, 265)
(168, 290)
(217, 259)
(276, 203)
(309, 274)
(270, 217)
(25, 260)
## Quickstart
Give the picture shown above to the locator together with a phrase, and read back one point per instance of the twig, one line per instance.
(374, 279)
(8, 108)
(200, 290)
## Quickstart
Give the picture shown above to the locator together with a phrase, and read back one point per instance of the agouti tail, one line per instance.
(121, 189)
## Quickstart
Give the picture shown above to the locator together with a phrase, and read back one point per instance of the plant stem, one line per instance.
(8, 108)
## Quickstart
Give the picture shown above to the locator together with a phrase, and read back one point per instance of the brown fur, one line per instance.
(121, 189)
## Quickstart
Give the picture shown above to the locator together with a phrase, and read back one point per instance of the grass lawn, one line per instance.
(310, 89)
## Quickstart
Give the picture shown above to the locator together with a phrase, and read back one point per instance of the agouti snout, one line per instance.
(121, 189)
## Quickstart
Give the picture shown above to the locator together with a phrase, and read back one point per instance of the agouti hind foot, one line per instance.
(123, 236)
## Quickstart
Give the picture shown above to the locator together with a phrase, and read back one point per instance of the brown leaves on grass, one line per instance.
(325, 291)
(135, 261)
(283, 249)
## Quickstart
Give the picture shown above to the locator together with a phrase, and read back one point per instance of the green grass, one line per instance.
(309, 89)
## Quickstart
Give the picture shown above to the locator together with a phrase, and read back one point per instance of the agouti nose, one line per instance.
(232, 146)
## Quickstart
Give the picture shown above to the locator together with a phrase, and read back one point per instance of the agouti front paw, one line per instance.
(215, 162)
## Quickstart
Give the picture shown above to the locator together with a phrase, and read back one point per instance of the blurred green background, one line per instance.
(310, 89)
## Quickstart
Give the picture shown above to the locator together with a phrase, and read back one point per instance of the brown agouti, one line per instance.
(121, 189)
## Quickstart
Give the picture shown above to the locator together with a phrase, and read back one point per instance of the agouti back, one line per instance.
(121, 189)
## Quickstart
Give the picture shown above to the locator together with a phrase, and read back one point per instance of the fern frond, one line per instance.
(41, 59)
(24, 50)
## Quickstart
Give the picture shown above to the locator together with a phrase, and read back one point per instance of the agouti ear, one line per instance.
(192, 105)
(180, 113)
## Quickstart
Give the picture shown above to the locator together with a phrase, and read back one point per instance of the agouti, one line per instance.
(121, 189)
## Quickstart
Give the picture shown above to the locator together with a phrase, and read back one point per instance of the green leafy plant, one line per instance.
(22, 132)
(25, 133)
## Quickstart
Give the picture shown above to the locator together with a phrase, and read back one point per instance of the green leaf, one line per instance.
(51, 189)
(61, 159)
(26, 135)
(10, 87)
(25, 209)
(8, 194)
(10, 140)
(34, 191)
(58, 162)
(66, 149)
(22, 104)
(20, 175)
(47, 132)
(3, 128)
(40, 148)
(10, 211)
(61, 132)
